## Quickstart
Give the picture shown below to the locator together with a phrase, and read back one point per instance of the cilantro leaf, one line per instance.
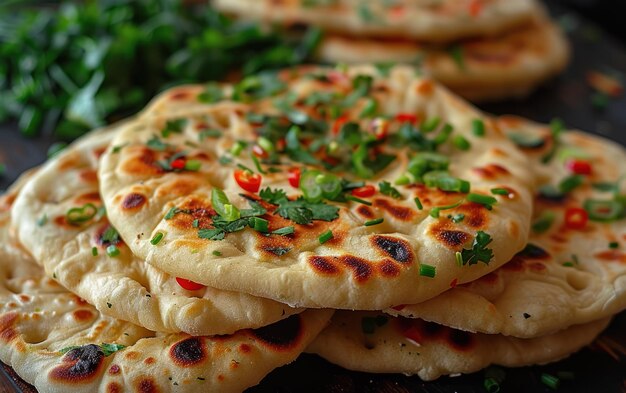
(212, 234)
(273, 196)
(479, 251)
(387, 189)
(109, 349)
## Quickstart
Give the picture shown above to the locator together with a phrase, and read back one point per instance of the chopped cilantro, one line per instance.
(479, 251)
(387, 189)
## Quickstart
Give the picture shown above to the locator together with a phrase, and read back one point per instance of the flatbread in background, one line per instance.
(120, 286)
(424, 20)
(568, 275)
(510, 65)
(57, 342)
(374, 342)
(368, 267)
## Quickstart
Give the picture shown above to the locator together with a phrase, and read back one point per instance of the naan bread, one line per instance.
(121, 286)
(510, 65)
(569, 276)
(362, 267)
(373, 342)
(57, 342)
(425, 20)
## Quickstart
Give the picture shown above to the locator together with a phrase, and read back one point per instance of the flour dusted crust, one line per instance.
(362, 267)
(123, 286)
(430, 21)
(510, 65)
(55, 340)
(536, 294)
(429, 350)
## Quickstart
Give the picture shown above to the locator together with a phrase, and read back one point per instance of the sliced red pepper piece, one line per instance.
(294, 177)
(364, 192)
(247, 180)
(188, 284)
(406, 118)
(178, 163)
(576, 218)
(579, 167)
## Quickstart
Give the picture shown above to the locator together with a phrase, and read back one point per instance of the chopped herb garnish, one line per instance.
(456, 52)
(173, 126)
(550, 381)
(113, 251)
(427, 270)
(461, 143)
(110, 235)
(157, 144)
(374, 222)
(216, 253)
(156, 239)
(544, 222)
(556, 129)
(172, 212)
(212, 93)
(443, 181)
(94, 251)
(326, 236)
(500, 191)
(284, 231)
(43, 220)
(209, 134)
(613, 245)
(259, 224)
(603, 210)
(418, 203)
(278, 251)
(526, 141)
(387, 189)
(109, 349)
(479, 251)
(485, 200)
(193, 165)
(478, 127)
(457, 218)
(79, 215)
(359, 200)
(434, 212)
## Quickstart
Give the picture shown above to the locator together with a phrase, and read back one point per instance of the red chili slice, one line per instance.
(189, 285)
(364, 192)
(579, 167)
(294, 177)
(414, 334)
(576, 218)
(259, 152)
(475, 7)
(178, 163)
(339, 122)
(406, 118)
(250, 182)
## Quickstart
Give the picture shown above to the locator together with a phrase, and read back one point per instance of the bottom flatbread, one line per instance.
(377, 343)
(56, 341)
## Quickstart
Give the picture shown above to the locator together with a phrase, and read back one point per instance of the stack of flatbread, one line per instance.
(369, 216)
(484, 50)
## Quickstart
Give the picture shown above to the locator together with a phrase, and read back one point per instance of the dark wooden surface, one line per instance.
(598, 368)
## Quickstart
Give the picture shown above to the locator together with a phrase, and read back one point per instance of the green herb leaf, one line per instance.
(387, 189)
(479, 251)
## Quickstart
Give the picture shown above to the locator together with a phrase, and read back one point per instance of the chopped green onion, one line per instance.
(216, 253)
(568, 264)
(359, 200)
(403, 180)
(113, 251)
(526, 141)
(443, 181)
(237, 148)
(556, 128)
(603, 210)
(195, 223)
(443, 135)
(427, 270)
(284, 231)
(326, 236)
(209, 134)
(431, 124)
(257, 164)
(231, 213)
(265, 144)
(94, 251)
(330, 185)
(499, 191)
(544, 222)
(310, 188)
(171, 213)
(156, 238)
(613, 245)
(370, 108)
(570, 183)
(374, 222)
(485, 200)
(478, 127)
(550, 381)
(461, 143)
(459, 258)
(418, 203)
(434, 212)
(192, 165)
(259, 224)
(43, 220)
(491, 385)
(78, 215)
(222, 205)
(456, 218)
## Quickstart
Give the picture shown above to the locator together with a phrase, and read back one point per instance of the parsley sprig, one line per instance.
(300, 210)
(479, 251)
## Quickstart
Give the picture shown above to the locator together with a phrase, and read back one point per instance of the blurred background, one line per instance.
(609, 14)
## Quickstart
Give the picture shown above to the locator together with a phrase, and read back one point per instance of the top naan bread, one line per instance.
(361, 267)
(73, 248)
(425, 20)
(569, 274)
